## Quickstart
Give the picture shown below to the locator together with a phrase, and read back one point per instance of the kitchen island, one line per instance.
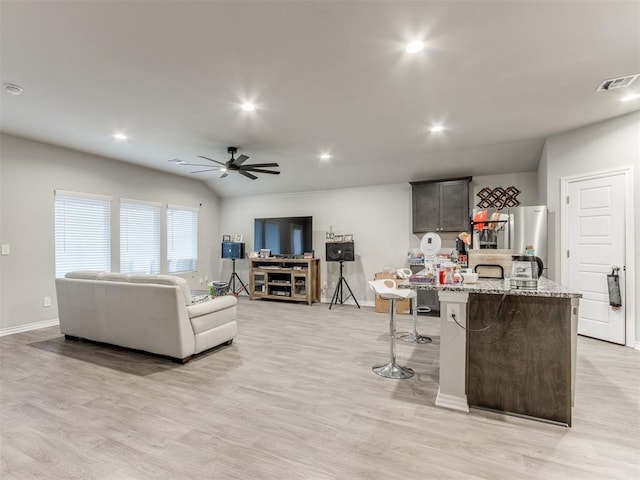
(507, 350)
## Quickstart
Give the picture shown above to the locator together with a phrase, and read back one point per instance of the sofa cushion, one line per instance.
(165, 280)
(115, 277)
(213, 319)
(214, 305)
(84, 275)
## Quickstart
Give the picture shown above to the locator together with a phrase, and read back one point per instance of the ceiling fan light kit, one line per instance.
(232, 165)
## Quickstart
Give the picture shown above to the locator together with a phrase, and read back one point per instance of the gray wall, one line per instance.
(602, 146)
(30, 172)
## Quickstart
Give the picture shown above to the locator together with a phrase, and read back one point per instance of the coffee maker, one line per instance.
(525, 271)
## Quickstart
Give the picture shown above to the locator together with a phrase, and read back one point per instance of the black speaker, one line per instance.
(340, 252)
(232, 250)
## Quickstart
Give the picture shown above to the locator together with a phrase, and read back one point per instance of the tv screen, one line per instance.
(284, 236)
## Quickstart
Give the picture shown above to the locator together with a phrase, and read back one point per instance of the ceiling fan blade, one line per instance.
(224, 174)
(240, 160)
(246, 174)
(207, 170)
(259, 170)
(244, 167)
(212, 160)
(197, 165)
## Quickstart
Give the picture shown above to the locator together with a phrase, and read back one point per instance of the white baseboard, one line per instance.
(637, 345)
(28, 327)
(454, 402)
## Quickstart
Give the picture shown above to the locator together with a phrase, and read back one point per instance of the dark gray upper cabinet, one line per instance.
(441, 205)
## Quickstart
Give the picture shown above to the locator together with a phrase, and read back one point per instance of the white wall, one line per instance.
(379, 217)
(31, 171)
(602, 146)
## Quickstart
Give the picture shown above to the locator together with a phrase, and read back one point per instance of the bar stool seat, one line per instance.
(386, 288)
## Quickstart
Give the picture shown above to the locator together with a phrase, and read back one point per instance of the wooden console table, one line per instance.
(292, 279)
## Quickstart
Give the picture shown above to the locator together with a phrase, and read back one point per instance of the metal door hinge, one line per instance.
(567, 199)
(567, 253)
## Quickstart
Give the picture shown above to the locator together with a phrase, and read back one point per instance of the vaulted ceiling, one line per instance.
(325, 77)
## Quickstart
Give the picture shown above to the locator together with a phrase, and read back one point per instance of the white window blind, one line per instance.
(82, 232)
(182, 239)
(139, 236)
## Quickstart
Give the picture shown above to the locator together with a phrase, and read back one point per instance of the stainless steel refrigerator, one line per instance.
(523, 226)
(528, 226)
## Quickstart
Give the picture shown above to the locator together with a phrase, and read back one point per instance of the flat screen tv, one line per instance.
(285, 236)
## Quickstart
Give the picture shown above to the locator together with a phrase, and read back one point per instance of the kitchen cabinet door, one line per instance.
(454, 206)
(426, 206)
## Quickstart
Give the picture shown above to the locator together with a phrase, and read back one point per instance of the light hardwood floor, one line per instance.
(294, 398)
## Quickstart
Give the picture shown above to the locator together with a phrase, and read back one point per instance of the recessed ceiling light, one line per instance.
(630, 97)
(248, 107)
(325, 156)
(436, 128)
(120, 136)
(414, 47)
(13, 89)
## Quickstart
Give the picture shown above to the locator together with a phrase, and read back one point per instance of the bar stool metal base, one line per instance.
(393, 370)
(415, 337)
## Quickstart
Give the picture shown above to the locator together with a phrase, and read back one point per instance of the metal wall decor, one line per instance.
(498, 197)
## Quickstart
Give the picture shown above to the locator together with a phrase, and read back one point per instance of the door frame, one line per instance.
(630, 271)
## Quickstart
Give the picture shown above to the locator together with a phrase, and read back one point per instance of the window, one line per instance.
(182, 239)
(139, 236)
(82, 232)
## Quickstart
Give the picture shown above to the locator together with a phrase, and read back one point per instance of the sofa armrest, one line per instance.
(213, 305)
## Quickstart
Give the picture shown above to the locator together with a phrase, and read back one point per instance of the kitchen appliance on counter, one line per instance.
(526, 269)
(513, 228)
(491, 263)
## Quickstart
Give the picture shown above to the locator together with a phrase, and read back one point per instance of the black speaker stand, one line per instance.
(339, 290)
(232, 281)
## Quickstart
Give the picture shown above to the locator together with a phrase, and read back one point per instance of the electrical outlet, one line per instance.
(6, 249)
(453, 309)
(46, 302)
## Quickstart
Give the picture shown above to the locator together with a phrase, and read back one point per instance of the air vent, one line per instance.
(617, 83)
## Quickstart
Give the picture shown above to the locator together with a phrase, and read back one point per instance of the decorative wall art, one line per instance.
(498, 197)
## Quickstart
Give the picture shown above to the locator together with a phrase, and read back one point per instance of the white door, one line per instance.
(596, 239)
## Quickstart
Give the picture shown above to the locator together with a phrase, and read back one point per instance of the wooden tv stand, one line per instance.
(291, 279)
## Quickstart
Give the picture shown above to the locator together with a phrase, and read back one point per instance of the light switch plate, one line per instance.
(6, 249)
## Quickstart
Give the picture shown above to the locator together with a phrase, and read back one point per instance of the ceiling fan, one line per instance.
(234, 165)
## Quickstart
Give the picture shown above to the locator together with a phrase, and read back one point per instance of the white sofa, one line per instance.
(153, 313)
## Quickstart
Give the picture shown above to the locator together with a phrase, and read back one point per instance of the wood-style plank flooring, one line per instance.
(294, 398)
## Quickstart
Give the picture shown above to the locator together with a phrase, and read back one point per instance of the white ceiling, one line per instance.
(326, 76)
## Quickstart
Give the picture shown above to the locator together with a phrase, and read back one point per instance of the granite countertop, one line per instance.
(546, 288)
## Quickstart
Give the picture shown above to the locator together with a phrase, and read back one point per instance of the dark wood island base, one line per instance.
(522, 363)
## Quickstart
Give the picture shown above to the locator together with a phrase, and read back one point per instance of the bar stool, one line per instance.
(387, 289)
(413, 337)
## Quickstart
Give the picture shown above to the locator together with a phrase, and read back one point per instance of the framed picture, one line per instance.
(338, 238)
(348, 237)
(237, 238)
(226, 238)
